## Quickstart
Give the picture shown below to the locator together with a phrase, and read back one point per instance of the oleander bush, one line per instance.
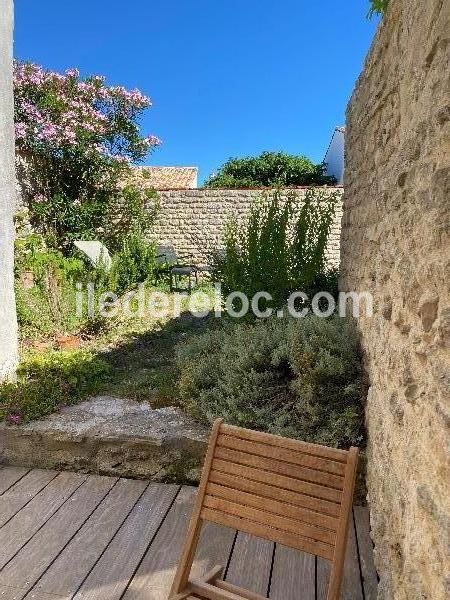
(76, 138)
(301, 378)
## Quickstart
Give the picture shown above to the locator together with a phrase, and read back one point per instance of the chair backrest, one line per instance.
(287, 491)
(165, 254)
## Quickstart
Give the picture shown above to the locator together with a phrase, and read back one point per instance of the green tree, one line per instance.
(269, 169)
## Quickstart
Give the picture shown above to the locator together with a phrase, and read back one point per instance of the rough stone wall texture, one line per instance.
(192, 221)
(395, 243)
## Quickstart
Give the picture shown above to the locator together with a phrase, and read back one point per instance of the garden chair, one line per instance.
(289, 492)
(176, 267)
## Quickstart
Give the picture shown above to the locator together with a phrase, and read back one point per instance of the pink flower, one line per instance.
(21, 130)
(152, 140)
(73, 73)
(53, 111)
(14, 418)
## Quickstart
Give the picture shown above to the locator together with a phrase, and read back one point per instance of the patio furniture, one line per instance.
(177, 267)
(286, 491)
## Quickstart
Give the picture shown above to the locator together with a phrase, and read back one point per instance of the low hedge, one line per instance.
(301, 378)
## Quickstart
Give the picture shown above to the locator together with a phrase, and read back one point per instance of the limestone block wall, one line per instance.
(192, 221)
(396, 244)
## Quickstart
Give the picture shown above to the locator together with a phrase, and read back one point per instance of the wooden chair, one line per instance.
(283, 490)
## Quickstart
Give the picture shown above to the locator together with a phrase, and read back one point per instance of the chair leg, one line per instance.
(181, 578)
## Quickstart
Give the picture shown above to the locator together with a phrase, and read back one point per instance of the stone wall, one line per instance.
(395, 243)
(192, 221)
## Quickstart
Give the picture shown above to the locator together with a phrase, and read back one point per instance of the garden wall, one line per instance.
(192, 221)
(396, 244)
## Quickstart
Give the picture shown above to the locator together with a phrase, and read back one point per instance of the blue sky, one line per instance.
(226, 77)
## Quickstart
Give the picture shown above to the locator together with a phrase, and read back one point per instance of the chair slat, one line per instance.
(274, 507)
(295, 457)
(281, 442)
(269, 533)
(265, 490)
(297, 485)
(275, 466)
(261, 516)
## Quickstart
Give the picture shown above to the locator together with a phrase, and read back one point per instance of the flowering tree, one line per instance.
(77, 137)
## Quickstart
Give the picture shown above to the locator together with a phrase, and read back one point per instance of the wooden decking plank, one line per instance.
(155, 574)
(250, 563)
(36, 556)
(72, 566)
(22, 492)
(116, 566)
(214, 548)
(9, 476)
(351, 585)
(365, 547)
(323, 577)
(292, 571)
(25, 524)
(10, 593)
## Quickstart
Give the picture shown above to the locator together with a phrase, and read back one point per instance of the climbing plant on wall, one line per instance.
(378, 7)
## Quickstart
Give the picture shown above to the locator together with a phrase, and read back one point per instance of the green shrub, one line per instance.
(49, 306)
(269, 169)
(279, 247)
(49, 381)
(296, 377)
(132, 211)
(135, 263)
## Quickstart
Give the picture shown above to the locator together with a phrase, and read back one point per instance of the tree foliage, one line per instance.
(269, 169)
(378, 7)
(76, 138)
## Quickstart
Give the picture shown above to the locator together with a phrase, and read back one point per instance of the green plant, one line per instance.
(279, 247)
(109, 216)
(132, 211)
(135, 263)
(47, 304)
(269, 169)
(378, 7)
(296, 377)
(49, 381)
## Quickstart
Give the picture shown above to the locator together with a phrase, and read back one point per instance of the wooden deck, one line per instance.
(66, 535)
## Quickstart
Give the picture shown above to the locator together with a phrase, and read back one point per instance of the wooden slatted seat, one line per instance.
(287, 491)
